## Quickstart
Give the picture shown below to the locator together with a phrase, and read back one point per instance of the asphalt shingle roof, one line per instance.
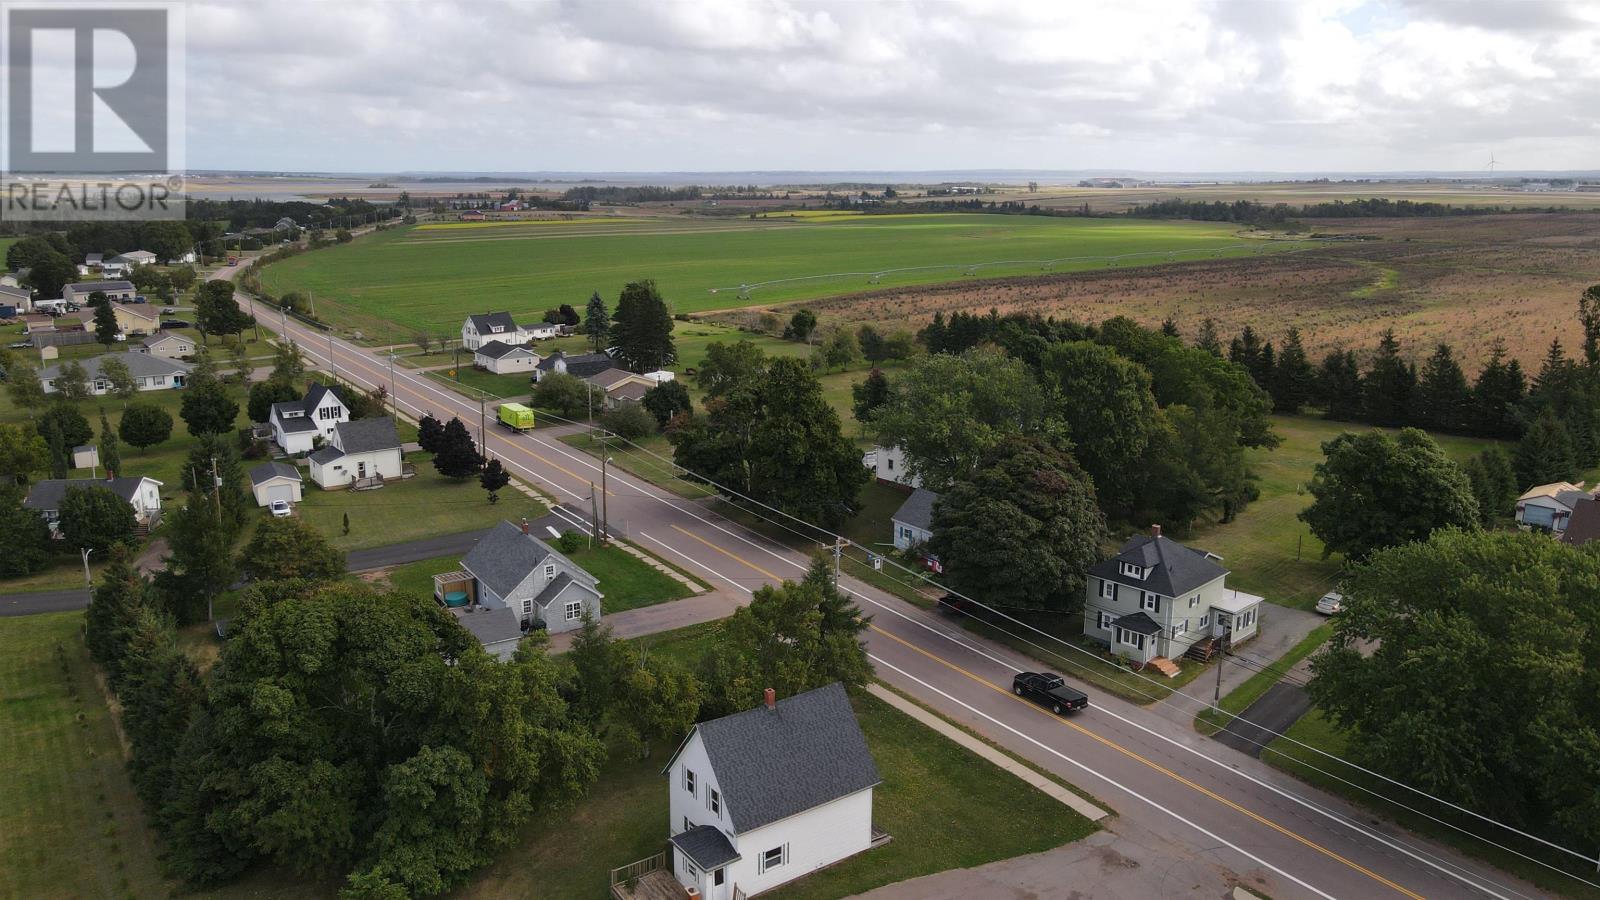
(917, 511)
(48, 494)
(270, 470)
(1139, 623)
(505, 556)
(326, 455)
(491, 626)
(486, 323)
(88, 287)
(706, 845)
(367, 435)
(140, 365)
(583, 365)
(294, 424)
(1174, 568)
(499, 350)
(774, 763)
(1584, 524)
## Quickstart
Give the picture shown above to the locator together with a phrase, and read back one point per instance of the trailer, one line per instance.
(515, 416)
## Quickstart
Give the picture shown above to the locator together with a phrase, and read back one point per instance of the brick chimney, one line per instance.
(1155, 531)
(525, 525)
(771, 698)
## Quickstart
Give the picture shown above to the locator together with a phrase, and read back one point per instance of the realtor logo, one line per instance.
(92, 90)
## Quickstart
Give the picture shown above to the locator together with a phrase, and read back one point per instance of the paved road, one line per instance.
(1273, 712)
(1173, 790)
(34, 602)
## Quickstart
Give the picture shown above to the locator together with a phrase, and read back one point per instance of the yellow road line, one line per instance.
(731, 555)
(1156, 766)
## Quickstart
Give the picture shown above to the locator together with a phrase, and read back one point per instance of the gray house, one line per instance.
(511, 569)
(582, 365)
(1159, 599)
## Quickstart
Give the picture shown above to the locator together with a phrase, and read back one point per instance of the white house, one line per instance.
(1549, 506)
(275, 481)
(504, 359)
(765, 796)
(888, 465)
(582, 365)
(150, 373)
(134, 258)
(296, 424)
(20, 297)
(363, 453)
(143, 494)
(167, 345)
(913, 521)
(541, 331)
(1159, 599)
(512, 569)
(498, 326)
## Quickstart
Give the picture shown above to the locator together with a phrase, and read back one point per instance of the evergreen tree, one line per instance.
(1339, 386)
(213, 466)
(56, 443)
(110, 453)
(642, 328)
(161, 693)
(106, 329)
(1444, 401)
(113, 613)
(493, 478)
(1170, 328)
(1589, 318)
(597, 322)
(1545, 453)
(96, 518)
(1389, 388)
(1571, 394)
(457, 456)
(429, 431)
(1207, 339)
(29, 546)
(1247, 352)
(1293, 379)
(1494, 484)
(1499, 395)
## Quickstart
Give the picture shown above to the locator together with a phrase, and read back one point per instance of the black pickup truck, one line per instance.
(1048, 690)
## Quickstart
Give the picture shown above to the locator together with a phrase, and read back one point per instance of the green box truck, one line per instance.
(516, 417)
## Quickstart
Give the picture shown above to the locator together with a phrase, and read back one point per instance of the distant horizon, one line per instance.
(1244, 175)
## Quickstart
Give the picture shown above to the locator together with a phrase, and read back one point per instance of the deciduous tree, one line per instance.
(568, 395)
(28, 542)
(115, 371)
(96, 518)
(289, 548)
(666, 401)
(493, 479)
(23, 452)
(144, 425)
(265, 393)
(727, 364)
(457, 456)
(1374, 490)
(629, 420)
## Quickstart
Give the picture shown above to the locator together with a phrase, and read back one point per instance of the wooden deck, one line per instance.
(656, 885)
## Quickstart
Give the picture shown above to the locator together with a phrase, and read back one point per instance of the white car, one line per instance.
(1330, 603)
(279, 509)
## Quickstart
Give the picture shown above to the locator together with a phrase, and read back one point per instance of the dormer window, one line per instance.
(496, 329)
(1132, 570)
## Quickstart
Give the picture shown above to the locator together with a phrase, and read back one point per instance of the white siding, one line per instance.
(816, 838)
(681, 804)
(908, 536)
(889, 464)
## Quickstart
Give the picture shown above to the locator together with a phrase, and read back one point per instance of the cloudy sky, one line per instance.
(655, 85)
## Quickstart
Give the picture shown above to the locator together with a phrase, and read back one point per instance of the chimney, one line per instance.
(525, 525)
(1155, 531)
(772, 698)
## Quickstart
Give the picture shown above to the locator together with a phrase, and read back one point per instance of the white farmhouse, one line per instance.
(296, 424)
(497, 326)
(504, 359)
(768, 795)
(913, 521)
(364, 453)
(141, 493)
(888, 465)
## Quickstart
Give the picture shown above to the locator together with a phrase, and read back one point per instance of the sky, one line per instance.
(719, 85)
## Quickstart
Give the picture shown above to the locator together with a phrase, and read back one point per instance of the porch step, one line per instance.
(1165, 666)
(1203, 650)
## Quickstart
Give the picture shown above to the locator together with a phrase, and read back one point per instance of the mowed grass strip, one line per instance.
(402, 276)
(70, 824)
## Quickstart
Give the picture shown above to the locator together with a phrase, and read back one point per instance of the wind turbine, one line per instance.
(1492, 162)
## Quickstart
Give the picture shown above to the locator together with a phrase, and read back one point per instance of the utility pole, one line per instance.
(483, 424)
(594, 514)
(838, 556)
(605, 517)
(333, 367)
(394, 405)
(216, 496)
(1216, 696)
(253, 317)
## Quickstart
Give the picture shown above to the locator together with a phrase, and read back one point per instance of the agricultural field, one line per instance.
(1464, 281)
(396, 283)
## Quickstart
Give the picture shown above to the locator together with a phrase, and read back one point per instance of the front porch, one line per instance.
(647, 879)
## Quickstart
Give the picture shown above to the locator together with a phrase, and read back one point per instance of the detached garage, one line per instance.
(275, 481)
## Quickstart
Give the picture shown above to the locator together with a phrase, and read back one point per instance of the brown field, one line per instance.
(1464, 281)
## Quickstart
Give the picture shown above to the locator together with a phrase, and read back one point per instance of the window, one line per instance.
(527, 606)
(574, 610)
(1130, 638)
(1131, 569)
(549, 572)
(688, 785)
(496, 329)
(714, 802)
(1150, 602)
(1105, 621)
(719, 876)
(1205, 620)
(775, 857)
(890, 461)
(689, 868)
(1181, 627)
(328, 412)
(1108, 590)
(1194, 601)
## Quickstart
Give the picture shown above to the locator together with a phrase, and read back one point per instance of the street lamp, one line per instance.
(88, 584)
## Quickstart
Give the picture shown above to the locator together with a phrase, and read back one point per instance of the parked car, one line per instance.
(22, 345)
(279, 509)
(168, 310)
(174, 323)
(1330, 603)
(139, 298)
(1050, 691)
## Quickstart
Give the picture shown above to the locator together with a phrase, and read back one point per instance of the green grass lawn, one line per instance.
(70, 824)
(1318, 732)
(944, 807)
(626, 582)
(419, 507)
(1266, 549)
(394, 283)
